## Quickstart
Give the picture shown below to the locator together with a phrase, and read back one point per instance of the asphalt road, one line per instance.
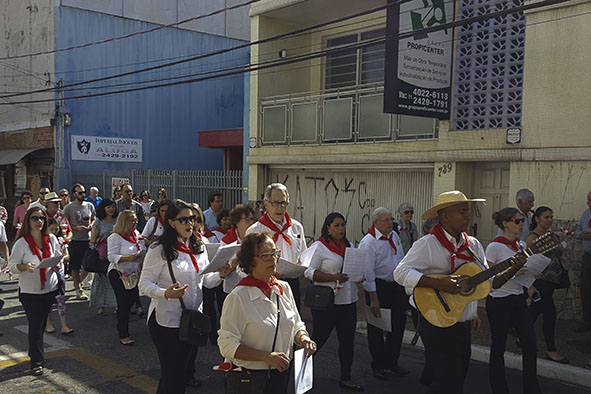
(93, 361)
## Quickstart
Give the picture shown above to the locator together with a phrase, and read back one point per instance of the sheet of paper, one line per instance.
(50, 262)
(535, 265)
(287, 269)
(354, 263)
(307, 255)
(303, 369)
(211, 249)
(384, 323)
(221, 257)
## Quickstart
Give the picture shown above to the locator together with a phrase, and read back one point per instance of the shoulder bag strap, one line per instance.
(174, 281)
(275, 337)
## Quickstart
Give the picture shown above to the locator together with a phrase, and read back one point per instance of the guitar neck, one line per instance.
(496, 269)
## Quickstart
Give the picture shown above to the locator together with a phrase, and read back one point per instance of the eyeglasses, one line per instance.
(248, 219)
(519, 221)
(276, 204)
(270, 256)
(411, 212)
(128, 191)
(38, 218)
(80, 193)
(186, 219)
(43, 193)
(64, 195)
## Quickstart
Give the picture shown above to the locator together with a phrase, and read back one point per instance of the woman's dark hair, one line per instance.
(169, 237)
(251, 244)
(26, 228)
(51, 222)
(223, 214)
(504, 215)
(26, 193)
(238, 211)
(145, 192)
(164, 202)
(328, 221)
(116, 190)
(100, 209)
(537, 214)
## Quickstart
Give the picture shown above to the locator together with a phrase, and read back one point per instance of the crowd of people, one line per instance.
(157, 248)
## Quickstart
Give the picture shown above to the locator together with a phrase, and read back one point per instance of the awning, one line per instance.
(11, 156)
(220, 138)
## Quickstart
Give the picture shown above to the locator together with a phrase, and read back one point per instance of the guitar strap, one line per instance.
(477, 258)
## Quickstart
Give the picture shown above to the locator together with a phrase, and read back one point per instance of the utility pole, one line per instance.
(59, 139)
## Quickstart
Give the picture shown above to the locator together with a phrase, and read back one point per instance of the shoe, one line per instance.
(354, 387)
(37, 371)
(141, 313)
(51, 331)
(585, 328)
(101, 312)
(131, 342)
(563, 360)
(81, 295)
(194, 383)
(397, 371)
(587, 365)
(69, 332)
(380, 374)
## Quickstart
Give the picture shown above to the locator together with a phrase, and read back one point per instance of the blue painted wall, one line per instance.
(166, 119)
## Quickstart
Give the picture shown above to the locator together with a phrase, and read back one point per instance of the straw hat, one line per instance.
(52, 197)
(448, 199)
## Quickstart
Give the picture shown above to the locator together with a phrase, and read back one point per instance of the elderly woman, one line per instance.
(407, 230)
(326, 269)
(224, 222)
(260, 321)
(179, 250)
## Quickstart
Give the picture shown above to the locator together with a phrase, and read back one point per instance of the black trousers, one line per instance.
(177, 359)
(210, 297)
(385, 353)
(586, 287)
(295, 289)
(37, 307)
(504, 313)
(545, 306)
(447, 356)
(344, 319)
(125, 300)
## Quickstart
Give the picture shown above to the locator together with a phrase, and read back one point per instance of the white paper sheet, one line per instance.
(211, 249)
(222, 256)
(287, 269)
(354, 263)
(307, 255)
(384, 323)
(535, 265)
(50, 262)
(303, 369)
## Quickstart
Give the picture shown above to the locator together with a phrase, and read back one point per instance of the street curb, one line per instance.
(548, 369)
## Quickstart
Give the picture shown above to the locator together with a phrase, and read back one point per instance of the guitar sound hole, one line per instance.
(466, 291)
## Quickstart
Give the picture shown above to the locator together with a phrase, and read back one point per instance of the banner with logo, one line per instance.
(106, 148)
(419, 66)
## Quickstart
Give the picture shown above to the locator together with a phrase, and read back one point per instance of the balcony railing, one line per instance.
(345, 115)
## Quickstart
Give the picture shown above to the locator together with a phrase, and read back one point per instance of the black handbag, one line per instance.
(556, 274)
(195, 326)
(91, 262)
(250, 381)
(319, 297)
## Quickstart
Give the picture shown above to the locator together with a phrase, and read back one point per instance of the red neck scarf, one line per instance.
(439, 233)
(207, 233)
(266, 221)
(264, 286)
(35, 250)
(219, 230)
(231, 236)
(181, 247)
(372, 231)
(132, 238)
(332, 246)
(505, 241)
(160, 220)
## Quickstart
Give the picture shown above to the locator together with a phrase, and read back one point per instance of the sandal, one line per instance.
(50, 331)
(37, 371)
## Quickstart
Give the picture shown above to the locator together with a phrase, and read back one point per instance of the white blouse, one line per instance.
(249, 318)
(331, 263)
(497, 252)
(149, 228)
(118, 247)
(155, 279)
(30, 282)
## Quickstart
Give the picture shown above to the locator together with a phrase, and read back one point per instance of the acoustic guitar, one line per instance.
(445, 309)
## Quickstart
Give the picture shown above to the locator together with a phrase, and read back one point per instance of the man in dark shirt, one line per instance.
(126, 202)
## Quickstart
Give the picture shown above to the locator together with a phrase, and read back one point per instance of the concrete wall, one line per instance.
(232, 23)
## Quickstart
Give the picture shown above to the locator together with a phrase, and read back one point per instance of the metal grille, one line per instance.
(489, 69)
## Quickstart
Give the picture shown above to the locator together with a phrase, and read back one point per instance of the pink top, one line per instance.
(19, 213)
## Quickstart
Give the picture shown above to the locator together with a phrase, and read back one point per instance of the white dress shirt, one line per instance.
(497, 252)
(295, 233)
(329, 262)
(249, 318)
(428, 256)
(382, 260)
(150, 228)
(118, 247)
(155, 279)
(30, 282)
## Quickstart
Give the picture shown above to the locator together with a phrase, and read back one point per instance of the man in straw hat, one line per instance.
(445, 248)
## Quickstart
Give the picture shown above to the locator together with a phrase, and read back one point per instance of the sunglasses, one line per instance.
(270, 255)
(80, 193)
(410, 212)
(186, 219)
(519, 221)
(38, 218)
(63, 195)
(43, 193)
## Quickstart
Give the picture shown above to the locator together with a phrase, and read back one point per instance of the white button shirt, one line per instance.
(331, 263)
(295, 233)
(30, 282)
(249, 318)
(149, 228)
(428, 256)
(497, 252)
(381, 260)
(155, 279)
(118, 247)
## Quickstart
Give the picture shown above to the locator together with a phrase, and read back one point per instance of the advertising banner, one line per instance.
(419, 66)
(106, 149)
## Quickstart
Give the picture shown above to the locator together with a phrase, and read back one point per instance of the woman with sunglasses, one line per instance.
(541, 224)
(117, 193)
(21, 210)
(38, 287)
(184, 251)
(124, 250)
(260, 322)
(201, 230)
(506, 306)
(407, 230)
(65, 198)
(146, 202)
